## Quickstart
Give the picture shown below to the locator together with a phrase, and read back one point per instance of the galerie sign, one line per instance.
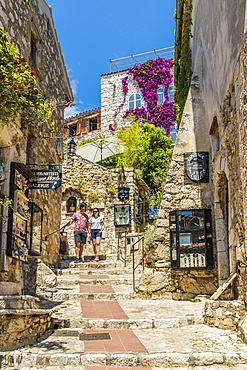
(45, 179)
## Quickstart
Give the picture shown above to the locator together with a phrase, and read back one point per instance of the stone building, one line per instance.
(202, 214)
(31, 28)
(98, 187)
(84, 125)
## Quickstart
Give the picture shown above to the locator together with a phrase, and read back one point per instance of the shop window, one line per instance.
(191, 239)
(135, 101)
(122, 215)
(71, 205)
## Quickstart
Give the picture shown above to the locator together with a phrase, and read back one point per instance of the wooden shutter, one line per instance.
(78, 127)
(84, 126)
(98, 122)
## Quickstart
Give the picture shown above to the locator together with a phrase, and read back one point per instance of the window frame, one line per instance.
(135, 100)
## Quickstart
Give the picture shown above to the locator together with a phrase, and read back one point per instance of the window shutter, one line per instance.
(84, 126)
(78, 127)
(98, 122)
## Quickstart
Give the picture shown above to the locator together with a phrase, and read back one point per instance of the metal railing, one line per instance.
(125, 247)
(238, 264)
(123, 63)
(133, 258)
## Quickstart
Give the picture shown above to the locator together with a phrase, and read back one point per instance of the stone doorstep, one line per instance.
(28, 311)
(157, 360)
(18, 302)
(113, 272)
(84, 323)
(93, 265)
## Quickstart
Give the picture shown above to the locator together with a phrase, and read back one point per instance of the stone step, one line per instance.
(91, 271)
(66, 282)
(84, 323)
(18, 302)
(26, 360)
(94, 265)
(66, 296)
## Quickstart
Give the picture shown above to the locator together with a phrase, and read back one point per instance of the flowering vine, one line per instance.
(18, 94)
(149, 77)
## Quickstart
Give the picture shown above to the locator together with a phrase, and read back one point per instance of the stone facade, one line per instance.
(224, 315)
(112, 97)
(213, 121)
(17, 144)
(98, 187)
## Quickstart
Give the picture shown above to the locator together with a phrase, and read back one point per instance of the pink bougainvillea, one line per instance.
(150, 76)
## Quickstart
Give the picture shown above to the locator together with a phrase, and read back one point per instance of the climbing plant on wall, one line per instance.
(149, 76)
(18, 94)
(185, 61)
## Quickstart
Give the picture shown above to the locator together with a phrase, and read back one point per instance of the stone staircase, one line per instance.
(118, 329)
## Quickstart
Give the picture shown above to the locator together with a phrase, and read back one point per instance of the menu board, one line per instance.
(122, 215)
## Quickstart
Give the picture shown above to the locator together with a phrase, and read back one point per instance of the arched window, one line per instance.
(171, 92)
(160, 93)
(135, 101)
(71, 205)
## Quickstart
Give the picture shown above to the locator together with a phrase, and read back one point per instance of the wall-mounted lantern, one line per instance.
(72, 147)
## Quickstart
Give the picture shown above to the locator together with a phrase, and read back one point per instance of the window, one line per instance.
(92, 124)
(138, 209)
(34, 48)
(191, 239)
(171, 92)
(215, 136)
(122, 214)
(71, 205)
(135, 101)
(161, 97)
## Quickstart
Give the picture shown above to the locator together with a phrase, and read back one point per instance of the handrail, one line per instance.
(238, 264)
(45, 238)
(133, 257)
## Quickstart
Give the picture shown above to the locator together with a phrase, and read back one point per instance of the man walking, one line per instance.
(81, 229)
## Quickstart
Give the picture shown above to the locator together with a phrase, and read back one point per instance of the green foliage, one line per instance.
(86, 141)
(111, 190)
(18, 95)
(185, 61)
(147, 149)
(6, 202)
(149, 236)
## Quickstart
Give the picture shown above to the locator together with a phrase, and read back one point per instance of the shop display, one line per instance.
(19, 225)
(36, 230)
(19, 248)
(194, 246)
(122, 214)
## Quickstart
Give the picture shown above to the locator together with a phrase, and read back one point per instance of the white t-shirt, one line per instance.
(95, 222)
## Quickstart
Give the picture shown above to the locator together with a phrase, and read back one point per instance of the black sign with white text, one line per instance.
(123, 193)
(197, 166)
(45, 179)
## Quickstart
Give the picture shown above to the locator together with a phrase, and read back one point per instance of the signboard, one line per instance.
(45, 179)
(123, 193)
(196, 166)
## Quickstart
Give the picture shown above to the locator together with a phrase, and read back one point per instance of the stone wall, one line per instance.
(112, 97)
(18, 144)
(223, 315)
(98, 187)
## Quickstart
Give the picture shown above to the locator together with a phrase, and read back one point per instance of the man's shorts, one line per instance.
(95, 233)
(80, 237)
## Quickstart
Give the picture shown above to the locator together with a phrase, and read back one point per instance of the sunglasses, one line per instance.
(95, 211)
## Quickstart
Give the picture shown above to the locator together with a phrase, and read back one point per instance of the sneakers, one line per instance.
(96, 258)
(78, 260)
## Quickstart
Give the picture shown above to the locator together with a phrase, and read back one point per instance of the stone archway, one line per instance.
(222, 225)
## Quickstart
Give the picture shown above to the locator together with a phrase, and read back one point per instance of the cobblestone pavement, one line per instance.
(141, 334)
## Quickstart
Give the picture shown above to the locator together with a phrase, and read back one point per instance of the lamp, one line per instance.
(72, 147)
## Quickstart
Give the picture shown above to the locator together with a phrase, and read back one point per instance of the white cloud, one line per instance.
(74, 84)
(71, 111)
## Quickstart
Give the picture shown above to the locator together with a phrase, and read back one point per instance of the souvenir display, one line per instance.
(20, 181)
(21, 204)
(195, 239)
(19, 225)
(19, 248)
(122, 214)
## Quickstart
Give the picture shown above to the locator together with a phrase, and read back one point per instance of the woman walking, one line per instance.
(96, 226)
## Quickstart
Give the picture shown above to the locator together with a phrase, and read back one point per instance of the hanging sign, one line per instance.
(123, 193)
(45, 179)
(197, 166)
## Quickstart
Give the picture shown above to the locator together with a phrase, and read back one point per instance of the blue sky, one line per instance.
(92, 31)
